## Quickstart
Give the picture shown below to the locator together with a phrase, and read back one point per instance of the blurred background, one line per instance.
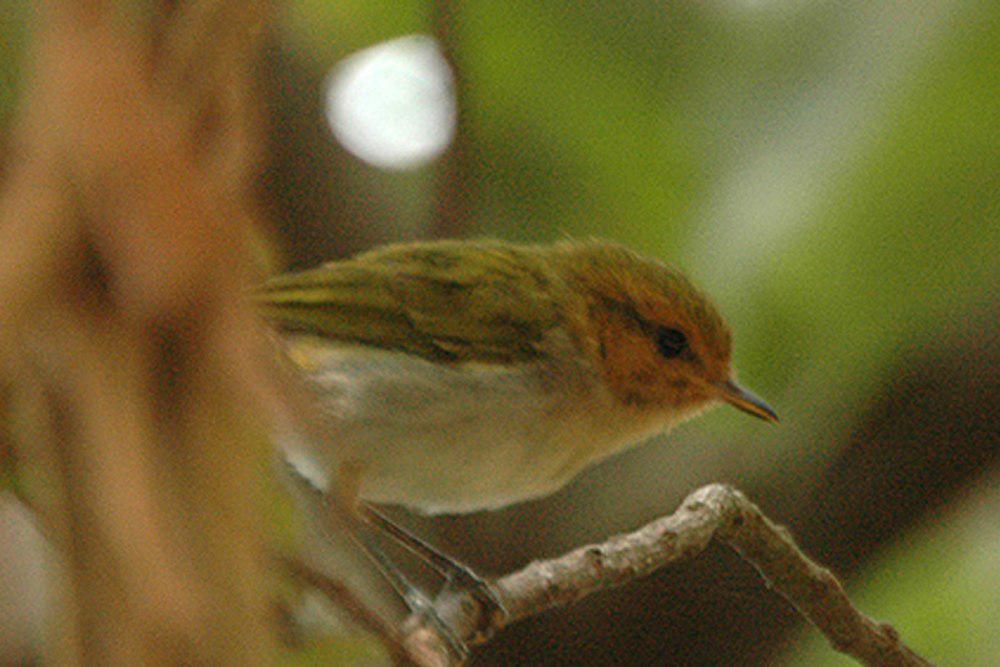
(828, 171)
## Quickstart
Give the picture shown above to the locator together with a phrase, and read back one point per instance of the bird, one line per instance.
(458, 376)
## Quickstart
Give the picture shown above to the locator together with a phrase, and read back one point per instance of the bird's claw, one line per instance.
(493, 611)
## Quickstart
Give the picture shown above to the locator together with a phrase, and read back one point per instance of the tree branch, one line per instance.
(714, 511)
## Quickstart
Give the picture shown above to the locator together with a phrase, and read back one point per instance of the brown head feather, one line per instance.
(632, 300)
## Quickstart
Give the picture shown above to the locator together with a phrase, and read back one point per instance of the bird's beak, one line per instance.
(747, 401)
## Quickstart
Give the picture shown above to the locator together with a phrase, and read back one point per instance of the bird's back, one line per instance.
(446, 301)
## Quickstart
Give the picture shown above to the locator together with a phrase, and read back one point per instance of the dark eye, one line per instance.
(671, 342)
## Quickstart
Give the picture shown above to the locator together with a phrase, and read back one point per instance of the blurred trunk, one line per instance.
(452, 205)
(126, 228)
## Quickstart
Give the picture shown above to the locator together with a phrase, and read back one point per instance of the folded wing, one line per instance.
(445, 301)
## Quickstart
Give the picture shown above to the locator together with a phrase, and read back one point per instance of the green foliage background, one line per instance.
(829, 170)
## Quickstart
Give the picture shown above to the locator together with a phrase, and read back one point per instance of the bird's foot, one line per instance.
(423, 609)
(458, 577)
(493, 612)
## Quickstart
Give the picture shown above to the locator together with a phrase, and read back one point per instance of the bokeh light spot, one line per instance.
(393, 104)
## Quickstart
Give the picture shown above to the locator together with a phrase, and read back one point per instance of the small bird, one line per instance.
(458, 376)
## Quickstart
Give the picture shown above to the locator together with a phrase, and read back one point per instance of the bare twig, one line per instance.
(714, 511)
(344, 597)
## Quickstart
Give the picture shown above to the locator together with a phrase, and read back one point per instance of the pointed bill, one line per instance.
(747, 401)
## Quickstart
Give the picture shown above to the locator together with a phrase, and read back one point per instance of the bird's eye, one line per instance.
(671, 342)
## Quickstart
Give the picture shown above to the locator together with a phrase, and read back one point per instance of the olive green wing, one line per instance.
(445, 301)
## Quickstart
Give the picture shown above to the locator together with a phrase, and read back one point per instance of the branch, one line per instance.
(714, 511)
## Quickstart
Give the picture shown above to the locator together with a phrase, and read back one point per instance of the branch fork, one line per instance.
(712, 512)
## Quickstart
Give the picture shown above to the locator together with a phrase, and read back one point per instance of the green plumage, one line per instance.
(446, 301)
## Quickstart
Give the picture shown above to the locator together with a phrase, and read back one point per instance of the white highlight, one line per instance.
(304, 465)
(393, 105)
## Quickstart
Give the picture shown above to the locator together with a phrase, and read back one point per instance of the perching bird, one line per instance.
(458, 376)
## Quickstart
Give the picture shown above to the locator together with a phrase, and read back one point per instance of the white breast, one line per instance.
(458, 438)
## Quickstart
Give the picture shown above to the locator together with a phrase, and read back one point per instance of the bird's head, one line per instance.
(660, 344)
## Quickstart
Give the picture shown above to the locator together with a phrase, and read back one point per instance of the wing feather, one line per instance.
(446, 301)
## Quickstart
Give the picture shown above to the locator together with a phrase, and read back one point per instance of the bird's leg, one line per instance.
(416, 601)
(414, 598)
(457, 576)
(340, 506)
